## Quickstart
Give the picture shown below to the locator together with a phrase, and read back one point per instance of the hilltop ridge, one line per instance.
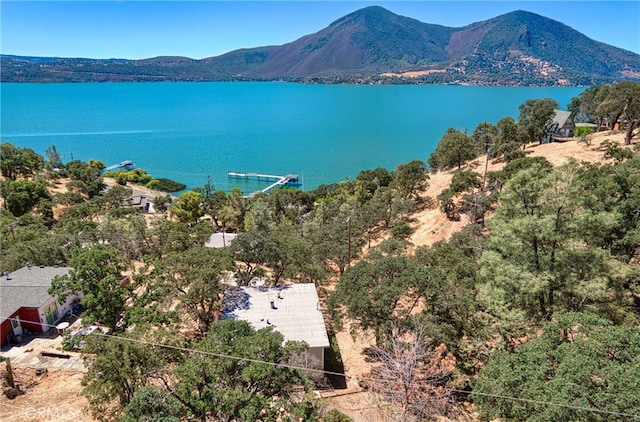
(375, 45)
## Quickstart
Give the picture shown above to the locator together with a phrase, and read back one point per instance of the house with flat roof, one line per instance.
(220, 240)
(25, 302)
(292, 310)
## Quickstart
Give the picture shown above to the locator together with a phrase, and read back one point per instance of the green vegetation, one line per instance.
(579, 359)
(537, 302)
(165, 185)
(608, 105)
(580, 132)
(141, 177)
(96, 274)
(18, 162)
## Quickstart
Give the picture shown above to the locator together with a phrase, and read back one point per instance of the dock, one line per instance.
(122, 165)
(290, 180)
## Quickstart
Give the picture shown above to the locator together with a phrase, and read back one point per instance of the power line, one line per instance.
(533, 401)
(282, 365)
(189, 350)
(549, 403)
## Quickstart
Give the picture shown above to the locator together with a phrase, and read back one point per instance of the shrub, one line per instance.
(166, 185)
(582, 131)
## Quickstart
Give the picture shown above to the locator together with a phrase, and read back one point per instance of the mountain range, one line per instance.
(374, 45)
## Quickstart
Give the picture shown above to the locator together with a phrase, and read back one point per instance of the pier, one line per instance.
(290, 180)
(123, 165)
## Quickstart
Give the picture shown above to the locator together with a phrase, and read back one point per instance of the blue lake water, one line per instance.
(187, 131)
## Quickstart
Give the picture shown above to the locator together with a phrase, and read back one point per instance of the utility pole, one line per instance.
(348, 221)
(486, 166)
(10, 374)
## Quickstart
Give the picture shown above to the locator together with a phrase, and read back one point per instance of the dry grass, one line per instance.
(54, 396)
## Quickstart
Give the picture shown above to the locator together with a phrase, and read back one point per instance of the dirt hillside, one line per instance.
(432, 225)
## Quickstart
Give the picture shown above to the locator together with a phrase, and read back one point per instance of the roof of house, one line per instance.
(297, 315)
(561, 117)
(26, 287)
(220, 240)
(142, 202)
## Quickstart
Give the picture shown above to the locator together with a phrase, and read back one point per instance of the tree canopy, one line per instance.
(96, 272)
(534, 117)
(454, 149)
(580, 361)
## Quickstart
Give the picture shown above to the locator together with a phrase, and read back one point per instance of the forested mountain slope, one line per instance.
(517, 48)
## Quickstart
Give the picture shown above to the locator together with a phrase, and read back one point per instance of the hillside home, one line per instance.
(25, 303)
(142, 202)
(139, 199)
(560, 126)
(292, 310)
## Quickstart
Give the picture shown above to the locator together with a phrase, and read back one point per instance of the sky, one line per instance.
(199, 29)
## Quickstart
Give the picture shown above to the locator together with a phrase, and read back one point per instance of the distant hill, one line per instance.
(376, 45)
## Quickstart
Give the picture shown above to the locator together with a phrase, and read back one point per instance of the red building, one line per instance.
(25, 303)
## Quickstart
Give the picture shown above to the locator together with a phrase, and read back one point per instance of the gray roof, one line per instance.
(26, 287)
(220, 240)
(560, 117)
(297, 315)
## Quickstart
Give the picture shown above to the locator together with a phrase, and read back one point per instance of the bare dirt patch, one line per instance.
(53, 396)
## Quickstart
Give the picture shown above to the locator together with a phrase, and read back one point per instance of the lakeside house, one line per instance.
(141, 201)
(292, 310)
(560, 127)
(25, 302)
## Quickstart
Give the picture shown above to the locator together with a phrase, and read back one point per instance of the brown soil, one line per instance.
(54, 396)
(432, 225)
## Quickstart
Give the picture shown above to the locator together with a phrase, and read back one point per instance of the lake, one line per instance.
(186, 131)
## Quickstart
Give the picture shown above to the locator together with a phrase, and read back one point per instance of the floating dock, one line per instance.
(122, 165)
(290, 180)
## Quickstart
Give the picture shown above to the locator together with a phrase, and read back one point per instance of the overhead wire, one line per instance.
(513, 398)
(283, 365)
(190, 350)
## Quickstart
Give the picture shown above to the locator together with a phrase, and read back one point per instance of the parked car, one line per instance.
(76, 339)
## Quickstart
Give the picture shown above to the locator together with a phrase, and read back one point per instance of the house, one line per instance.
(292, 310)
(560, 126)
(142, 202)
(25, 303)
(220, 240)
(139, 199)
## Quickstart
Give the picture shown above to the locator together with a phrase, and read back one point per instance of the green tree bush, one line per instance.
(580, 362)
(454, 149)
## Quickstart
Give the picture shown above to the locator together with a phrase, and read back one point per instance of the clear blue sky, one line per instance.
(198, 29)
